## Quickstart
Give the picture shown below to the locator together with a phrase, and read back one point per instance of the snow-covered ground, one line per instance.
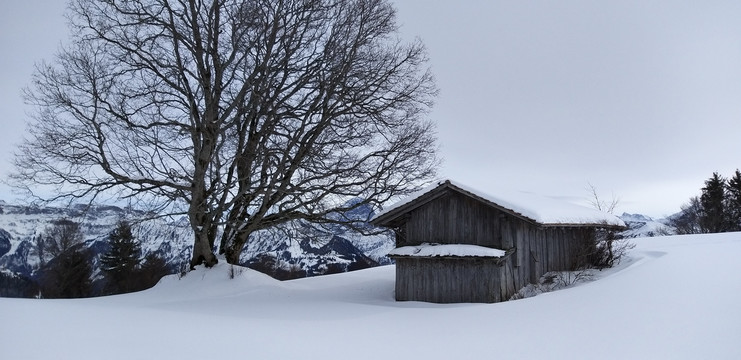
(677, 297)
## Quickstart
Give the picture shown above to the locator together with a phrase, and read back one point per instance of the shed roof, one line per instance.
(539, 209)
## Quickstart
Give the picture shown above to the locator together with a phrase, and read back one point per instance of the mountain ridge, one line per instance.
(344, 249)
(296, 250)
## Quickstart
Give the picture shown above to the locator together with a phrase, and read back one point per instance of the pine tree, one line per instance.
(713, 218)
(151, 271)
(120, 262)
(68, 273)
(72, 274)
(733, 203)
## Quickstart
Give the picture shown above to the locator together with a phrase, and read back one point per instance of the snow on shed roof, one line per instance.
(463, 250)
(541, 209)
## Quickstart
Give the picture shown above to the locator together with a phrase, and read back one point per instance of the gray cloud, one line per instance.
(641, 99)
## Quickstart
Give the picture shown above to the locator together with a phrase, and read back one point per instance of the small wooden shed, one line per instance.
(446, 236)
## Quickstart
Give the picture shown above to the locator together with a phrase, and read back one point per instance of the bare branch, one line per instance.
(599, 204)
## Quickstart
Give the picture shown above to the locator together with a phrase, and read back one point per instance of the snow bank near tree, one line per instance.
(676, 297)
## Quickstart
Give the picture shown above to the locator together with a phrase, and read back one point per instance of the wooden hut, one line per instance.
(456, 244)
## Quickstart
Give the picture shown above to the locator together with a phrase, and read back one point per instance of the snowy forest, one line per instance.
(717, 209)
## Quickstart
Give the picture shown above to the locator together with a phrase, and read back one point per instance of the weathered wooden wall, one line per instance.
(541, 250)
(458, 219)
(452, 217)
(448, 280)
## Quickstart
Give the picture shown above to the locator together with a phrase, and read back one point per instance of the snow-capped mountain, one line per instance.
(294, 250)
(299, 249)
(306, 249)
(645, 226)
(23, 223)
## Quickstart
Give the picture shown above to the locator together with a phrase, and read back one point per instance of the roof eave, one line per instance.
(590, 225)
(386, 219)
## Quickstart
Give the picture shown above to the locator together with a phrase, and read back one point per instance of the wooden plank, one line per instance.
(447, 280)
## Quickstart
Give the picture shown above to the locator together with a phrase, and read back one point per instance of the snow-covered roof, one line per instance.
(540, 209)
(427, 250)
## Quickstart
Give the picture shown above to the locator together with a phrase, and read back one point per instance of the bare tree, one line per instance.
(599, 203)
(240, 114)
(62, 236)
(610, 246)
(687, 221)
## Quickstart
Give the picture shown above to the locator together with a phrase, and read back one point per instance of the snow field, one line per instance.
(676, 297)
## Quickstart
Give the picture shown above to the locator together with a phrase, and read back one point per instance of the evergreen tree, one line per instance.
(151, 271)
(733, 203)
(713, 218)
(120, 262)
(68, 275)
(16, 285)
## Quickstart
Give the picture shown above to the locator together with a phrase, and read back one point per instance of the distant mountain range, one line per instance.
(309, 250)
(645, 226)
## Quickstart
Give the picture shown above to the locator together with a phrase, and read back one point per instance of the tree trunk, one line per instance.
(202, 252)
(201, 223)
(235, 246)
(200, 213)
(232, 256)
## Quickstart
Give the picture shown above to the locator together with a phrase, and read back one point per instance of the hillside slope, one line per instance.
(675, 298)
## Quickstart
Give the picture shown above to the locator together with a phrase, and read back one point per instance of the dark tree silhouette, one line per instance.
(152, 269)
(733, 204)
(713, 218)
(688, 220)
(68, 272)
(239, 114)
(121, 262)
(68, 275)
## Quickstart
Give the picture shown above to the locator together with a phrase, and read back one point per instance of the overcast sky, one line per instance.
(642, 99)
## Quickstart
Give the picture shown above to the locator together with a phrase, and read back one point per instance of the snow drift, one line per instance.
(676, 297)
